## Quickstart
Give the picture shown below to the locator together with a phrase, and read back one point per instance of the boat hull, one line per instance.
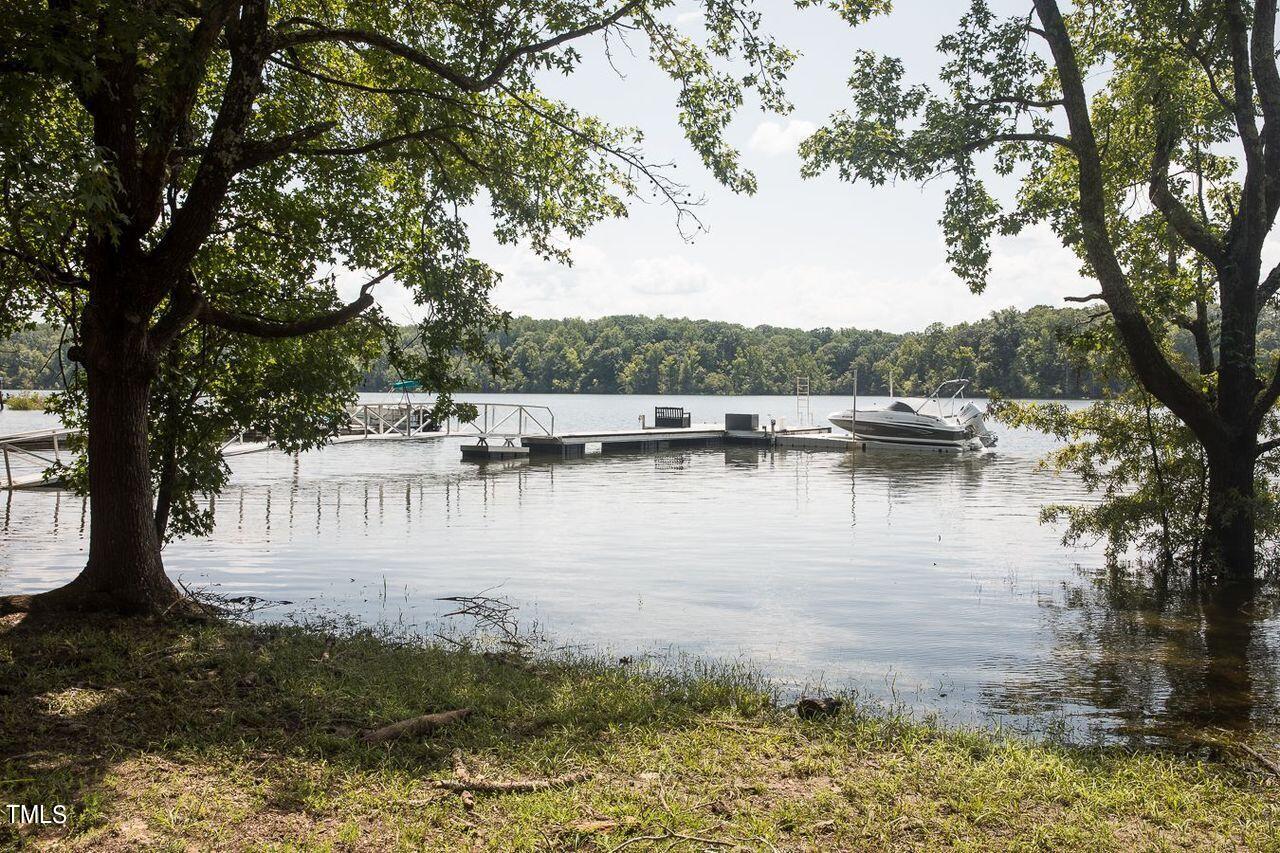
(903, 432)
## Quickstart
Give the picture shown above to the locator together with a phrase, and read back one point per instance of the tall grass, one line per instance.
(26, 401)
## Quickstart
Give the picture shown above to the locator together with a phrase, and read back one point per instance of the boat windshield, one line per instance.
(899, 406)
(936, 397)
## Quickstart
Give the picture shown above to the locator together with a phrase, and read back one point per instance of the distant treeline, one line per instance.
(28, 359)
(1013, 353)
(1017, 353)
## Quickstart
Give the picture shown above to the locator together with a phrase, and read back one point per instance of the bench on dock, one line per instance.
(668, 417)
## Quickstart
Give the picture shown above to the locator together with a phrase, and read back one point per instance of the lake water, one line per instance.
(919, 582)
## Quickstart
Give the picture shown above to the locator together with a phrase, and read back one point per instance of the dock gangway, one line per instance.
(26, 447)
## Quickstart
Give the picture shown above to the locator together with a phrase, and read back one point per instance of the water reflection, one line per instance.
(56, 510)
(1147, 657)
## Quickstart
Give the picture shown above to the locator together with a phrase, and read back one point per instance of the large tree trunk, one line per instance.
(1231, 518)
(125, 572)
(1232, 511)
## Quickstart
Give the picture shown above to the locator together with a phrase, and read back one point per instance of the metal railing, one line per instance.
(24, 445)
(246, 441)
(507, 421)
(804, 411)
(405, 419)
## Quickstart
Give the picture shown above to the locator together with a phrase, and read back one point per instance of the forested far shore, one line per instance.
(1018, 354)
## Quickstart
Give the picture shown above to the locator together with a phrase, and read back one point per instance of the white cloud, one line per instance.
(772, 138)
(1030, 269)
(1027, 270)
(669, 276)
(689, 17)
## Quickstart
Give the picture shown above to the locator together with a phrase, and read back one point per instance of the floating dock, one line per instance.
(481, 451)
(574, 445)
(844, 443)
(650, 439)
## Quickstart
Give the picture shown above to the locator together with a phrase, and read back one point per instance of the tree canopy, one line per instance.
(1147, 136)
(182, 180)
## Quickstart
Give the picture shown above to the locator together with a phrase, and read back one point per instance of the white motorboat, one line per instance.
(901, 424)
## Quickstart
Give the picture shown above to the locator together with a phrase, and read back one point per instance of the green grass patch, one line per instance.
(220, 736)
(25, 401)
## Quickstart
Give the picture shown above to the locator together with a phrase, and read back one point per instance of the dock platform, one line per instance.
(574, 444)
(481, 452)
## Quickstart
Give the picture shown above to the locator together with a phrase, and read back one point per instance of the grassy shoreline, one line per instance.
(222, 736)
(25, 401)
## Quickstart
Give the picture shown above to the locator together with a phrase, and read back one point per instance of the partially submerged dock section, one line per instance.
(573, 445)
(32, 458)
(43, 448)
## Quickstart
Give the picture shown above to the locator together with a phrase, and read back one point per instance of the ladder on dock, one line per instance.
(804, 411)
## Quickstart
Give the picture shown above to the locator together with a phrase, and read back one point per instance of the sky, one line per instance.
(801, 253)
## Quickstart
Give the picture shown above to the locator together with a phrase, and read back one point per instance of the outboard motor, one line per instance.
(973, 420)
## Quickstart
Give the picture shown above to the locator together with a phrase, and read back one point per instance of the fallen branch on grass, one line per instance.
(514, 786)
(465, 783)
(415, 726)
(1261, 759)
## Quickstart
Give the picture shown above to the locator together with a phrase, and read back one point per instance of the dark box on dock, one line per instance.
(742, 422)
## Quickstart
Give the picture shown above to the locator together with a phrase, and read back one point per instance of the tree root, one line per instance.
(81, 597)
(57, 604)
(11, 604)
(415, 726)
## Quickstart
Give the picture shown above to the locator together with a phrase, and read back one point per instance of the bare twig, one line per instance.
(493, 613)
(514, 786)
(465, 783)
(669, 834)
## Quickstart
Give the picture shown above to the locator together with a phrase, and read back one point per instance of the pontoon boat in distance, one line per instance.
(901, 424)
